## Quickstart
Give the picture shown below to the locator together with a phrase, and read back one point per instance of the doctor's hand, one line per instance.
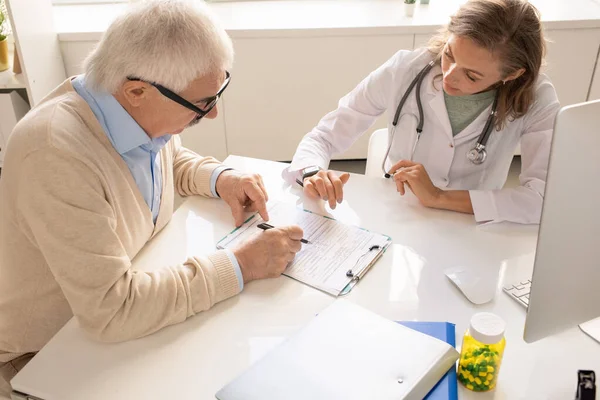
(413, 175)
(243, 193)
(326, 185)
(267, 254)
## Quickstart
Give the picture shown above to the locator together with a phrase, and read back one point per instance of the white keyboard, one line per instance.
(519, 291)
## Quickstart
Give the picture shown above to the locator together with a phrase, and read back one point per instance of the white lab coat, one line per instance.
(442, 155)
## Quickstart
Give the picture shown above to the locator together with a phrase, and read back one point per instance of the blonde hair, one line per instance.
(170, 42)
(511, 29)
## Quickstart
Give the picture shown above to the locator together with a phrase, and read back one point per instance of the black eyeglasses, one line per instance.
(207, 104)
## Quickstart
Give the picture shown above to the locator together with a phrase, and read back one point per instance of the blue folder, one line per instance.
(446, 388)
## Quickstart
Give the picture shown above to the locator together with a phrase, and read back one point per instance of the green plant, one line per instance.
(410, 1)
(2, 19)
(4, 26)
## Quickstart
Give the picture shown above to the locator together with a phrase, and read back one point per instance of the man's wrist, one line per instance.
(246, 275)
(222, 179)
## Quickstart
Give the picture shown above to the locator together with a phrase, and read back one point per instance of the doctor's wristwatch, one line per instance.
(307, 173)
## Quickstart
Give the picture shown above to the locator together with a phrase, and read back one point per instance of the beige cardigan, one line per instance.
(72, 219)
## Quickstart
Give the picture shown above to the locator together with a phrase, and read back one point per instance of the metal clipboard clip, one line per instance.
(357, 275)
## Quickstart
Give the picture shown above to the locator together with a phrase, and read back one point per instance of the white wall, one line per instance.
(281, 87)
(571, 61)
(595, 88)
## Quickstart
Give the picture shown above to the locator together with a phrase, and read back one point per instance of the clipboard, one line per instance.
(338, 256)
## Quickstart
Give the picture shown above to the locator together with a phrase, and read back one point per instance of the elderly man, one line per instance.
(89, 178)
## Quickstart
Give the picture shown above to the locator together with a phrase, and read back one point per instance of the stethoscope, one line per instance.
(477, 155)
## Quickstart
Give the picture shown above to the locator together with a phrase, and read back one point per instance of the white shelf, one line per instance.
(293, 18)
(10, 80)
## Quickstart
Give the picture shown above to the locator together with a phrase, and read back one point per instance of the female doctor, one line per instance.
(456, 112)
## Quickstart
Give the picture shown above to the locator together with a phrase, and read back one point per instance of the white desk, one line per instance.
(194, 359)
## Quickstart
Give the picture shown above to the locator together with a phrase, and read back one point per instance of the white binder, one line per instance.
(349, 353)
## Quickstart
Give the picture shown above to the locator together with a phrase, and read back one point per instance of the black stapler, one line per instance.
(586, 385)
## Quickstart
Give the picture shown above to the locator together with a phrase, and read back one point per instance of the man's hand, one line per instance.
(417, 179)
(243, 193)
(267, 254)
(326, 185)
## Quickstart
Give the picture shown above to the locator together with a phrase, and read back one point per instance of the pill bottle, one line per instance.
(481, 353)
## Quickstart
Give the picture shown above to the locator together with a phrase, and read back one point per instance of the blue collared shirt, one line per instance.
(140, 152)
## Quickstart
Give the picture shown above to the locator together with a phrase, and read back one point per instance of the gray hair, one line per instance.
(170, 42)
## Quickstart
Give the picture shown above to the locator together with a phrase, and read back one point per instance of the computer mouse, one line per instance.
(477, 287)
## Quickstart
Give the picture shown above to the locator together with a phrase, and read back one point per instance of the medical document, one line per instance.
(338, 255)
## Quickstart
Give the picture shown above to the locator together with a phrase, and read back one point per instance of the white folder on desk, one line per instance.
(349, 353)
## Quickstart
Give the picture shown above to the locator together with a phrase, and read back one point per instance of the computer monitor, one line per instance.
(565, 288)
